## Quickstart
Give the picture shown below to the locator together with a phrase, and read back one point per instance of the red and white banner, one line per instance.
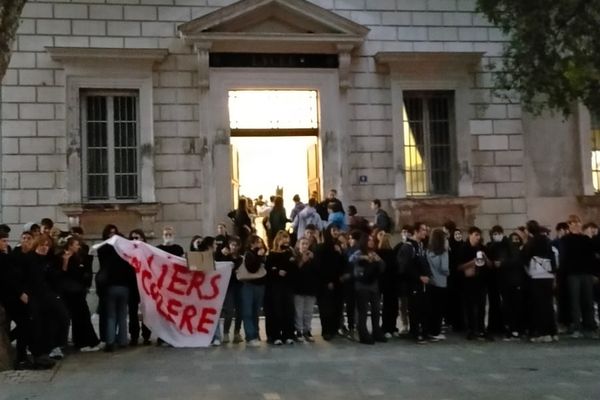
(180, 306)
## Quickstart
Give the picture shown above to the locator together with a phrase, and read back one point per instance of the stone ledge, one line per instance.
(435, 211)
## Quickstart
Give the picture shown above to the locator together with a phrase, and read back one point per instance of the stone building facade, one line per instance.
(397, 79)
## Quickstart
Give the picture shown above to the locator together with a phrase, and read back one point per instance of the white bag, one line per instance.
(540, 268)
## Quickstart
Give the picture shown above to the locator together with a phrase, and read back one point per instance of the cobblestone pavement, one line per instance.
(324, 370)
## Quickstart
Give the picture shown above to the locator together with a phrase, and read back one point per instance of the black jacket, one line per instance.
(331, 264)
(11, 279)
(281, 261)
(305, 278)
(114, 270)
(412, 262)
(577, 255)
(75, 279)
(253, 261)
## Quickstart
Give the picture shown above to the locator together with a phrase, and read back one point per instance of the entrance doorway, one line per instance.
(274, 144)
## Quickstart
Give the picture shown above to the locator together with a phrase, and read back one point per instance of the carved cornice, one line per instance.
(69, 54)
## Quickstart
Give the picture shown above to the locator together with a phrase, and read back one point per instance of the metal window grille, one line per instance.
(595, 125)
(110, 146)
(428, 143)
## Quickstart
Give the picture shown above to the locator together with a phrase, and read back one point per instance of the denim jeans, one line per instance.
(581, 298)
(304, 306)
(252, 299)
(117, 299)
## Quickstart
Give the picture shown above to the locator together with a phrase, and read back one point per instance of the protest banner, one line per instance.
(180, 306)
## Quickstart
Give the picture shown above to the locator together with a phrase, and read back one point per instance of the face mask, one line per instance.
(497, 237)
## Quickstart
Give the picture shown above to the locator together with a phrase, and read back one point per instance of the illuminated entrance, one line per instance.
(274, 143)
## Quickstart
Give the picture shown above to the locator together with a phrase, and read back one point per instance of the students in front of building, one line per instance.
(367, 267)
(336, 216)
(134, 304)
(381, 221)
(115, 280)
(577, 258)
(279, 291)
(389, 285)
(413, 262)
(540, 262)
(306, 217)
(232, 306)
(330, 266)
(512, 287)
(471, 262)
(494, 248)
(277, 219)
(49, 317)
(253, 290)
(439, 264)
(305, 281)
(168, 245)
(73, 280)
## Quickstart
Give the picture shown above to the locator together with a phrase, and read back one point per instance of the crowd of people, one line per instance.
(521, 285)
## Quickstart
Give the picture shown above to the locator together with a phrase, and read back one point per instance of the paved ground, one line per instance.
(336, 370)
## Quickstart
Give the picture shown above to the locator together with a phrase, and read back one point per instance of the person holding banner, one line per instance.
(233, 301)
(279, 293)
(253, 287)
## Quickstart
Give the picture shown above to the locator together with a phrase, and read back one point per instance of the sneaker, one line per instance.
(308, 337)
(439, 337)
(56, 354)
(546, 339)
(289, 341)
(388, 335)
(237, 338)
(216, 343)
(89, 349)
(226, 338)
(396, 334)
(299, 337)
(253, 343)
(421, 340)
(576, 335)
(277, 342)
(555, 338)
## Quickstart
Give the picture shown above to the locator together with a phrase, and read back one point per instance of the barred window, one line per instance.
(110, 151)
(595, 124)
(428, 119)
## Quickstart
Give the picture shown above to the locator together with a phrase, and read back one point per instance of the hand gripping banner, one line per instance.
(180, 306)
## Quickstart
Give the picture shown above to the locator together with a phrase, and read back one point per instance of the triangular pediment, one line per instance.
(273, 20)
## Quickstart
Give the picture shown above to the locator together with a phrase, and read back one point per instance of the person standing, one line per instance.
(367, 268)
(439, 264)
(562, 292)
(277, 219)
(253, 290)
(134, 303)
(168, 245)
(73, 278)
(540, 262)
(471, 262)
(512, 287)
(298, 206)
(233, 303)
(305, 281)
(389, 285)
(242, 224)
(307, 216)
(495, 248)
(323, 207)
(381, 221)
(577, 258)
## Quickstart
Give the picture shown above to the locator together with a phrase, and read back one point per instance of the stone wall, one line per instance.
(33, 109)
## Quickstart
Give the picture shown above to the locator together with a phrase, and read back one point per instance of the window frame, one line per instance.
(424, 96)
(109, 95)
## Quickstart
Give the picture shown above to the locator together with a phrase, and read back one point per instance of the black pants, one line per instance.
(134, 323)
(455, 310)
(474, 305)
(495, 323)
(542, 307)
(350, 302)
(101, 310)
(391, 295)
(438, 296)
(562, 299)
(17, 312)
(279, 312)
(512, 308)
(365, 300)
(49, 323)
(330, 310)
(81, 323)
(419, 308)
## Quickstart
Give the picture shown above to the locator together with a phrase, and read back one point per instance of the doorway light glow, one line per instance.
(273, 109)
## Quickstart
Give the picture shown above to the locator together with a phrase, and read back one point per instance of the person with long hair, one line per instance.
(49, 316)
(330, 268)
(134, 303)
(242, 224)
(389, 285)
(367, 267)
(279, 293)
(277, 219)
(305, 281)
(72, 282)
(438, 259)
(253, 291)
(232, 306)
(538, 258)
